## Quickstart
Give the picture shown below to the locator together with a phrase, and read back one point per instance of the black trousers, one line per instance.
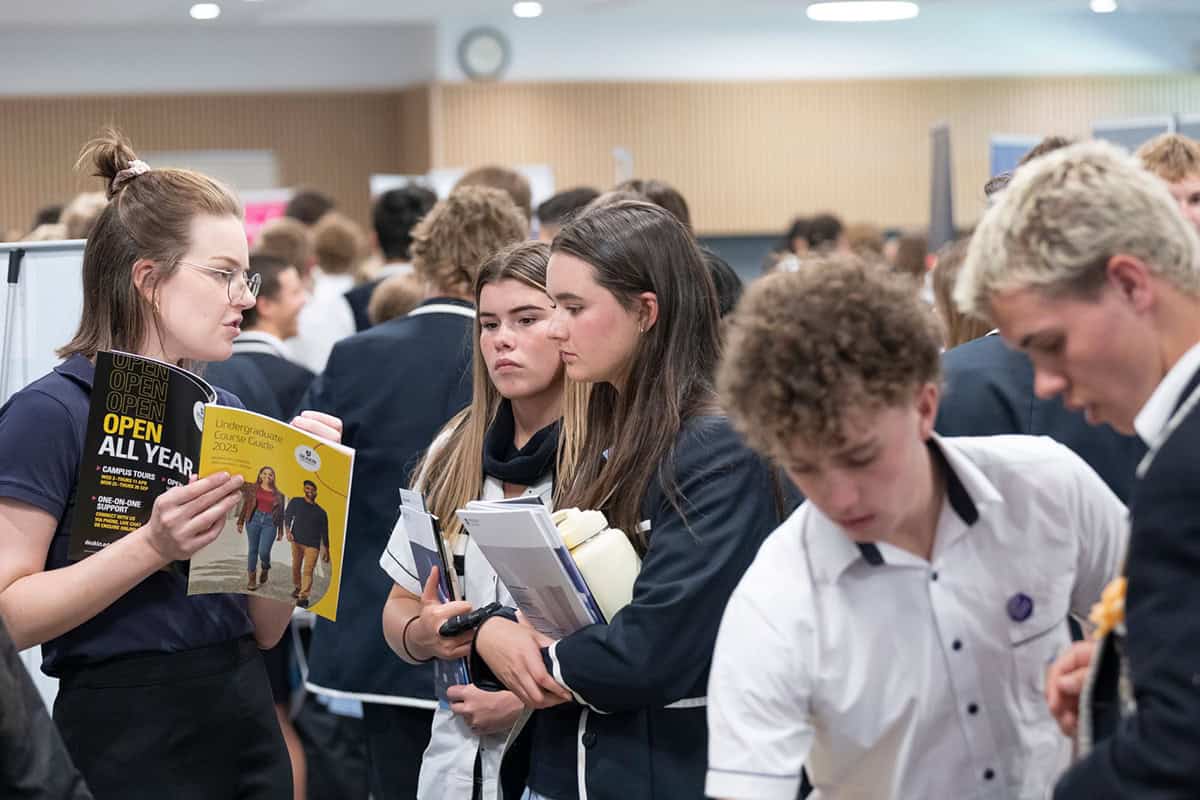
(195, 725)
(396, 740)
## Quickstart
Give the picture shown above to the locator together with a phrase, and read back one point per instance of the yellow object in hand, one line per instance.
(1110, 611)
(604, 556)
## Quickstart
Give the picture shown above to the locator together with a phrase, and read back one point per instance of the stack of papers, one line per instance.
(521, 542)
(429, 550)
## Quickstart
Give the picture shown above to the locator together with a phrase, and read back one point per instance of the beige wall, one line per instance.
(747, 155)
(332, 141)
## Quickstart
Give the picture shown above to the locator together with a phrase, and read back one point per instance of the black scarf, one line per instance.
(524, 467)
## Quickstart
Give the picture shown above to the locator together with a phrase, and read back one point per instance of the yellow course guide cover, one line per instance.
(286, 536)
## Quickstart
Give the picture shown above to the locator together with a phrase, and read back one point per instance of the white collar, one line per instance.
(1152, 419)
(443, 308)
(394, 268)
(331, 282)
(259, 342)
(493, 487)
(833, 550)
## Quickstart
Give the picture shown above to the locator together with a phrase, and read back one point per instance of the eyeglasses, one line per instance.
(238, 283)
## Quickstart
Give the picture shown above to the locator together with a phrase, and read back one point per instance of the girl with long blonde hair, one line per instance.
(505, 444)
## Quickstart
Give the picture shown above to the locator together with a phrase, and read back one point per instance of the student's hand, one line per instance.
(279, 536)
(514, 652)
(423, 637)
(323, 426)
(240, 528)
(325, 554)
(1064, 682)
(186, 518)
(484, 712)
(290, 537)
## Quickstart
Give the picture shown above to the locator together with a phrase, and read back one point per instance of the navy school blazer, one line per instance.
(641, 679)
(394, 386)
(989, 391)
(1155, 753)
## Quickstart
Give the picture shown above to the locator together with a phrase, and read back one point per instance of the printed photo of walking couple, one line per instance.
(284, 537)
(284, 542)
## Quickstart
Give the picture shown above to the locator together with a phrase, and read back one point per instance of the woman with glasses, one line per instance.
(161, 694)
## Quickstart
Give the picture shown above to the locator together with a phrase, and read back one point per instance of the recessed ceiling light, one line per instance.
(205, 11)
(1103, 6)
(863, 11)
(527, 10)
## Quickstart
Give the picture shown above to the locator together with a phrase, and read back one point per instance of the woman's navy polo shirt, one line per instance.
(41, 441)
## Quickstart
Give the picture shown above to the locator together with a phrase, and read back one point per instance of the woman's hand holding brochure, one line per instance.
(187, 518)
(547, 569)
(550, 570)
(423, 636)
(323, 426)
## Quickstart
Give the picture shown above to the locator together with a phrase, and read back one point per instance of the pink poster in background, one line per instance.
(263, 205)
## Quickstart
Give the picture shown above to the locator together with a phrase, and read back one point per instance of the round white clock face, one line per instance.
(483, 53)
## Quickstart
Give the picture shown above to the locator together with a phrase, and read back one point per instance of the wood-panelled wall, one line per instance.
(750, 155)
(414, 140)
(746, 155)
(331, 141)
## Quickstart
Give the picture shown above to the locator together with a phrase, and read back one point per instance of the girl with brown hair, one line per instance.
(503, 445)
(261, 519)
(160, 694)
(636, 317)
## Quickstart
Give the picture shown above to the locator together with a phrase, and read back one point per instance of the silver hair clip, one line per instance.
(135, 168)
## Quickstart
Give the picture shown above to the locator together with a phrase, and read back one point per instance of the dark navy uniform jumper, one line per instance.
(638, 730)
(394, 386)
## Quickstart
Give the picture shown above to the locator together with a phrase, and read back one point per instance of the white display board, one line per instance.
(240, 169)
(47, 687)
(40, 312)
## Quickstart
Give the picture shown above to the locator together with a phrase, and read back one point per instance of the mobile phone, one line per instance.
(466, 622)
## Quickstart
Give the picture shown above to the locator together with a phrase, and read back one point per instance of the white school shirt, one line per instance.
(324, 321)
(888, 676)
(448, 766)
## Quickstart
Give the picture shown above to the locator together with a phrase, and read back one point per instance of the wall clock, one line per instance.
(483, 54)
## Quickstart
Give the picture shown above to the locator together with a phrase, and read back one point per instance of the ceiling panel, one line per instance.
(151, 13)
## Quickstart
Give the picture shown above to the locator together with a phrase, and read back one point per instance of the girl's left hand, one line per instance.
(514, 652)
(484, 712)
(324, 426)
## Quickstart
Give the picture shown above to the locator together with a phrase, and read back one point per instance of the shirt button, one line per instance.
(988, 774)
(957, 645)
(973, 709)
(934, 575)
(589, 740)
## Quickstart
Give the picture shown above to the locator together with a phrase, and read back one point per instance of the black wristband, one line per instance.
(404, 642)
(481, 674)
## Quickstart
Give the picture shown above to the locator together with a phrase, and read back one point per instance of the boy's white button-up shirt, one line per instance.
(889, 676)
